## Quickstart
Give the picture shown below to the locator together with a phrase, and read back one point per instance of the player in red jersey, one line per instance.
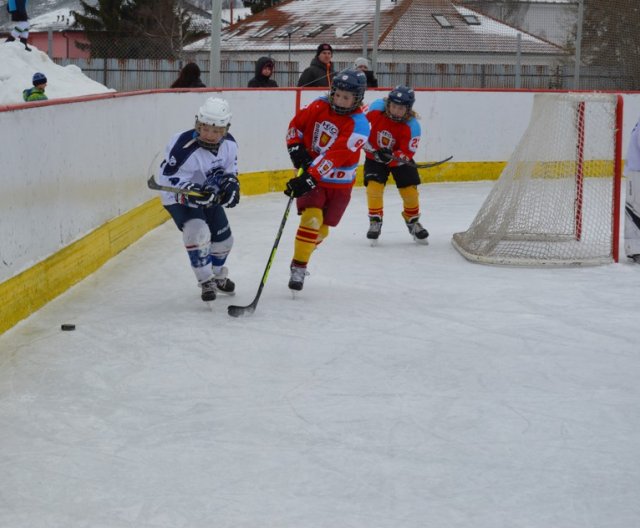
(324, 142)
(395, 133)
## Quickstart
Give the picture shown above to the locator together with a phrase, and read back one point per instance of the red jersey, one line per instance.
(333, 140)
(401, 137)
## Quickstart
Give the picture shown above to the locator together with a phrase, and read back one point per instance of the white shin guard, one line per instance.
(219, 251)
(196, 236)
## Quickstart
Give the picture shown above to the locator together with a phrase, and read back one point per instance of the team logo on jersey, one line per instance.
(324, 134)
(325, 167)
(385, 139)
(292, 133)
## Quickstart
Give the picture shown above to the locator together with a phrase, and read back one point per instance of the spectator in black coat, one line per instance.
(264, 71)
(362, 64)
(189, 77)
(321, 71)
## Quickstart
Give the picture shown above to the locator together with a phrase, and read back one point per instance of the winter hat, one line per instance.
(361, 61)
(324, 47)
(38, 78)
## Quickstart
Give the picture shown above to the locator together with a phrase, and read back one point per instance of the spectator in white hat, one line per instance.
(362, 64)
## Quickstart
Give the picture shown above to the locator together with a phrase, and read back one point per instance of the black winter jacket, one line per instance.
(316, 74)
(261, 81)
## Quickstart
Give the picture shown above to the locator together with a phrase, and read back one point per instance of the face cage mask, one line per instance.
(343, 111)
(405, 116)
(211, 147)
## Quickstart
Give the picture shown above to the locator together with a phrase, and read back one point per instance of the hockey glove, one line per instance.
(299, 156)
(300, 185)
(229, 194)
(205, 200)
(383, 155)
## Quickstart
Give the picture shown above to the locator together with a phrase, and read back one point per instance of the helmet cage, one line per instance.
(214, 112)
(349, 80)
(400, 95)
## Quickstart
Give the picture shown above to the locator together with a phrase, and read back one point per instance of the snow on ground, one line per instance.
(17, 67)
(404, 388)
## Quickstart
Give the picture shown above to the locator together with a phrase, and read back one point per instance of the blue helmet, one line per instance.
(38, 78)
(349, 80)
(401, 95)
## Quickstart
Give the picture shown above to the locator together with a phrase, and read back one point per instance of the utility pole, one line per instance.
(576, 71)
(376, 36)
(215, 79)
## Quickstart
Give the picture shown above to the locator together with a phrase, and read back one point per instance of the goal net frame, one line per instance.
(568, 163)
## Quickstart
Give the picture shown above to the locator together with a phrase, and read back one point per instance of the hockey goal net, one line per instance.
(557, 200)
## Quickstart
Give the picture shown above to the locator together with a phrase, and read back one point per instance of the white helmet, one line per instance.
(214, 112)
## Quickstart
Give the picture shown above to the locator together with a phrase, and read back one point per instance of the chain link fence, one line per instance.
(600, 37)
(590, 45)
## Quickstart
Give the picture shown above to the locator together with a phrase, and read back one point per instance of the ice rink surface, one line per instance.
(404, 388)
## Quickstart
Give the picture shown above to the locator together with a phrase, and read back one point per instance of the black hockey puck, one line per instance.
(68, 327)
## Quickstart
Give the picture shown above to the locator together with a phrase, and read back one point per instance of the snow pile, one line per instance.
(17, 67)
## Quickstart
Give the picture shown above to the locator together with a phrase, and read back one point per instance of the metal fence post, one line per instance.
(576, 71)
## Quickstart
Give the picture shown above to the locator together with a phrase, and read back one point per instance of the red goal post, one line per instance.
(557, 201)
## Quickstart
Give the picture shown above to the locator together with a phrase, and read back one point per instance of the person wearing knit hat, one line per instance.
(324, 47)
(362, 64)
(39, 81)
(320, 71)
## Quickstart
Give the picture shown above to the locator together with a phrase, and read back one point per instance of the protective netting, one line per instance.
(599, 41)
(554, 203)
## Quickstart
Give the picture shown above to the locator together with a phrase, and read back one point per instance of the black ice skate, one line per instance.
(417, 231)
(296, 281)
(375, 226)
(209, 289)
(224, 284)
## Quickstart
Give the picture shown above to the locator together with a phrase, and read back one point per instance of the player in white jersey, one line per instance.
(632, 200)
(204, 160)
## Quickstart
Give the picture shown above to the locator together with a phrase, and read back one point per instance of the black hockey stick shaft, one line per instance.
(412, 163)
(421, 165)
(237, 311)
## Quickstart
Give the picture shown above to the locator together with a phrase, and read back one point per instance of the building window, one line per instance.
(472, 20)
(288, 31)
(262, 32)
(316, 30)
(354, 28)
(231, 34)
(442, 20)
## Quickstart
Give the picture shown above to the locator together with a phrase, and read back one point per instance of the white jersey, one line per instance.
(633, 152)
(185, 161)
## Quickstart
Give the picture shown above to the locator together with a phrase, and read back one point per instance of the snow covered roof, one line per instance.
(405, 25)
(56, 14)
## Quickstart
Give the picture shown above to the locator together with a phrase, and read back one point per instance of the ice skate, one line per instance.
(223, 283)
(417, 231)
(375, 227)
(296, 281)
(635, 258)
(209, 289)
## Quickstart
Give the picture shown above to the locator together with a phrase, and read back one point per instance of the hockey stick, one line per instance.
(414, 164)
(237, 311)
(153, 184)
(425, 165)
